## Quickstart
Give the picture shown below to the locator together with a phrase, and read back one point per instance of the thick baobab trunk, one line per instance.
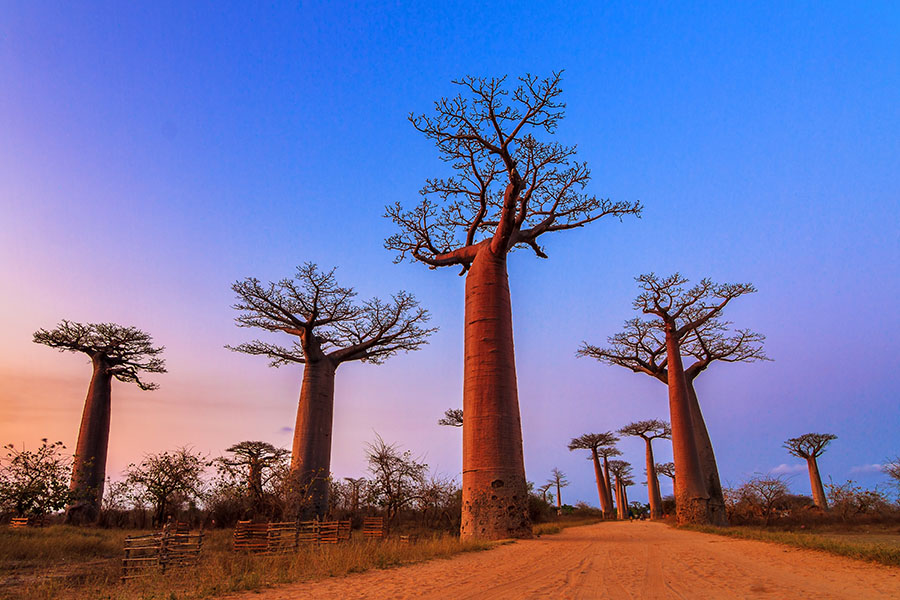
(620, 499)
(815, 483)
(601, 486)
(609, 492)
(311, 452)
(717, 513)
(625, 500)
(691, 497)
(494, 493)
(254, 483)
(558, 499)
(89, 470)
(653, 484)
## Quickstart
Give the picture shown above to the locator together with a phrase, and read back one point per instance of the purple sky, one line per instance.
(149, 157)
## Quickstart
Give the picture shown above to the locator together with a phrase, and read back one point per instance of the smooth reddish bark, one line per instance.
(717, 513)
(620, 499)
(311, 450)
(602, 492)
(494, 492)
(691, 497)
(89, 469)
(653, 484)
(609, 493)
(815, 483)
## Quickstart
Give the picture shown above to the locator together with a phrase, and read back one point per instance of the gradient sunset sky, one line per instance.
(151, 156)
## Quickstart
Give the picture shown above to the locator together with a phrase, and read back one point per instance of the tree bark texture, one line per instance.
(609, 492)
(653, 484)
(717, 513)
(815, 483)
(620, 499)
(494, 494)
(601, 486)
(89, 469)
(691, 497)
(311, 451)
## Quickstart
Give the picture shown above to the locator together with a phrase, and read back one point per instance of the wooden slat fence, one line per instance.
(19, 522)
(165, 549)
(277, 538)
(373, 528)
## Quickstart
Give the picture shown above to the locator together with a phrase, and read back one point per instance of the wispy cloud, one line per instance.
(785, 468)
(285, 430)
(873, 468)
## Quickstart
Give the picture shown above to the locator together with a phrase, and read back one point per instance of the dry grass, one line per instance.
(877, 548)
(557, 526)
(71, 563)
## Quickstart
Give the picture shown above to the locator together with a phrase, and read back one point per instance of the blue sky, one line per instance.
(151, 155)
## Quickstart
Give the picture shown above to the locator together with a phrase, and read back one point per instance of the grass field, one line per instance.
(73, 563)
(871, 543)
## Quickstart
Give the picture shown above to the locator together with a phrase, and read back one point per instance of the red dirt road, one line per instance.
(613, 561)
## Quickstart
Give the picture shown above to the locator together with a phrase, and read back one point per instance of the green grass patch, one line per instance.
(885, 554)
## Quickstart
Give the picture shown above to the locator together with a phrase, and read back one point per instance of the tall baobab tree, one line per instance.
(607, 452)
(667, 469)
(621, 470)
(648, 431)
(593, 442)
(453, 417)
(328, 329)
(655, 347)
(558, 480)
(116, 352)
(810, 447)
(509, 188)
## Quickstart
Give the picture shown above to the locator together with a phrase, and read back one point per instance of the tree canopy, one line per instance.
(326, 321)
(509, 187)
(649, 430)
(809, 445)
(126, 351)
(593, 441)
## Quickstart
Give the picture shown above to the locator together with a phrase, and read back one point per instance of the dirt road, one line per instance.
(612, 561)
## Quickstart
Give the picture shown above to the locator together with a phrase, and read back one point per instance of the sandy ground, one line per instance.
(612, 561)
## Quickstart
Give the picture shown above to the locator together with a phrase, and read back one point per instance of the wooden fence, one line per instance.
(174, 546)
(277, 538)
(373, 528)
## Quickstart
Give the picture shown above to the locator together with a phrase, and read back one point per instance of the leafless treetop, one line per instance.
(641, 347)
(453, 417)
(591, 441)
(608, 451)
(666, 468)
(620, 468)
(809, 444)
(326, 321)
(254, 451)
(557, 478)
(126, 351)
(685, 308)
(649, 430)
(508, 187)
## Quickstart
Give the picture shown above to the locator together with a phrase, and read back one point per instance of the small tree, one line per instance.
(397, 477)
(252, 465)
(34, 482)
(328, 329)
(594, 442)
(891, 468)
(558, 480)
(809, 447)
(167, 479)
(453, 417)
(123, 353)
(764, 492)
(649, 431)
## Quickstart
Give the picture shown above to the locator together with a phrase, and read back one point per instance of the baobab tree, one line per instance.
(509, 189)
(328, 329)
(256, 463)
(810, 447)
(655, 347)
(453, 417)
(558, 480)
(116, 352)
(621, 470)
(607, 452)
(648, 431)
(667, 469)
(593, 442)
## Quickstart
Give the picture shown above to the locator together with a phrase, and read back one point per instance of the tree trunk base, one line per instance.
(83, 513)
(693, 511)
(499, 513)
